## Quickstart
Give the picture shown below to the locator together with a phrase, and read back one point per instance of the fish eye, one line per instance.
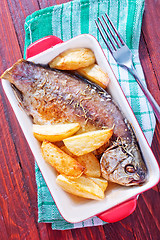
(130, 168)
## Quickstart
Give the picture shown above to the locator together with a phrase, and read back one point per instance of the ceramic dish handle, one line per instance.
(42, 45)
(119, 212)
(122, 210)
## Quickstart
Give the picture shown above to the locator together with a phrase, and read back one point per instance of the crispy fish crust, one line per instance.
(53, 96)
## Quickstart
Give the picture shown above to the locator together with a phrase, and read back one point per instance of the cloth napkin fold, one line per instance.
(69, 20)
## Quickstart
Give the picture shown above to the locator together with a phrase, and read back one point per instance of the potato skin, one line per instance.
(82, 187)
(73, 59)
(88, 161)
(87, 142)
(101, 182)
(95, 74)
(56, 132)
(91, 164)
(63, 163)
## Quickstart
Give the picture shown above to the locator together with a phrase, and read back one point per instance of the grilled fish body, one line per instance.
(53, 96)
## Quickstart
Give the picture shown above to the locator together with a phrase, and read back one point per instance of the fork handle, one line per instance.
(146, 92)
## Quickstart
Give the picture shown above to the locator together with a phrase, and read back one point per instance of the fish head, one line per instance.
(123, 165)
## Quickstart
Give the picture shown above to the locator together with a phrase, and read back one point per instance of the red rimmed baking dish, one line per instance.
(119, 201)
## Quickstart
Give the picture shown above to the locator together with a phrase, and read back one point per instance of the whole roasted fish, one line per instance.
(51, 96)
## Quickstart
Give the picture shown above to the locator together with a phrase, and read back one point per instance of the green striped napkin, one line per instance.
(67, 21)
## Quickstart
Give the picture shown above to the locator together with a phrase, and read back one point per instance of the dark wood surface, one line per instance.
(18, 194)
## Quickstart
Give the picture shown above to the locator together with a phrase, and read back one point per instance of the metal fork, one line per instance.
(123, 56)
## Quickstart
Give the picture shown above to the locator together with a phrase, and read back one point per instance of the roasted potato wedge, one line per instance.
(73, 59)
(102, 183)
(87, 142)
(66, 150)
(88, 161)
(91, 164)
(95, 74)
(61, 161)
(54, 133)
(82, 186)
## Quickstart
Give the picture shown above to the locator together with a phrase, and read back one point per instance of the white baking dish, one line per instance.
(74, 209)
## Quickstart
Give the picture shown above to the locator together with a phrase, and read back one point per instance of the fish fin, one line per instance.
(7, 74)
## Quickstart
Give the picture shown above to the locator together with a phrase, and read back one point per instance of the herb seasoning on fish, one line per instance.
(54, 96)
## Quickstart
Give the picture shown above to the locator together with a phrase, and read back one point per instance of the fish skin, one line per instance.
(52, 96)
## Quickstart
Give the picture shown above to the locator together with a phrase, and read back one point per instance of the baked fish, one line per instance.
(52, 96)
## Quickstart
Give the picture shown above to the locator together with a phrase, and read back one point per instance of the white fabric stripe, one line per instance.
(78, 225)
(76, 19)
(136, 26)
(123, 20)
(113, 12)
(93, 11)
(66, 27)
(122, 30)
(97, 221)
(102, 10)
(56, 22)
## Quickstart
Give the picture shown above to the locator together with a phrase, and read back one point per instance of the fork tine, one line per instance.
(121, 40)
(111, 32)
(105, 40)
(107, 33)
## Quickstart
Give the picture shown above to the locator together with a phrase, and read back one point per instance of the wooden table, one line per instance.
(18, 194)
